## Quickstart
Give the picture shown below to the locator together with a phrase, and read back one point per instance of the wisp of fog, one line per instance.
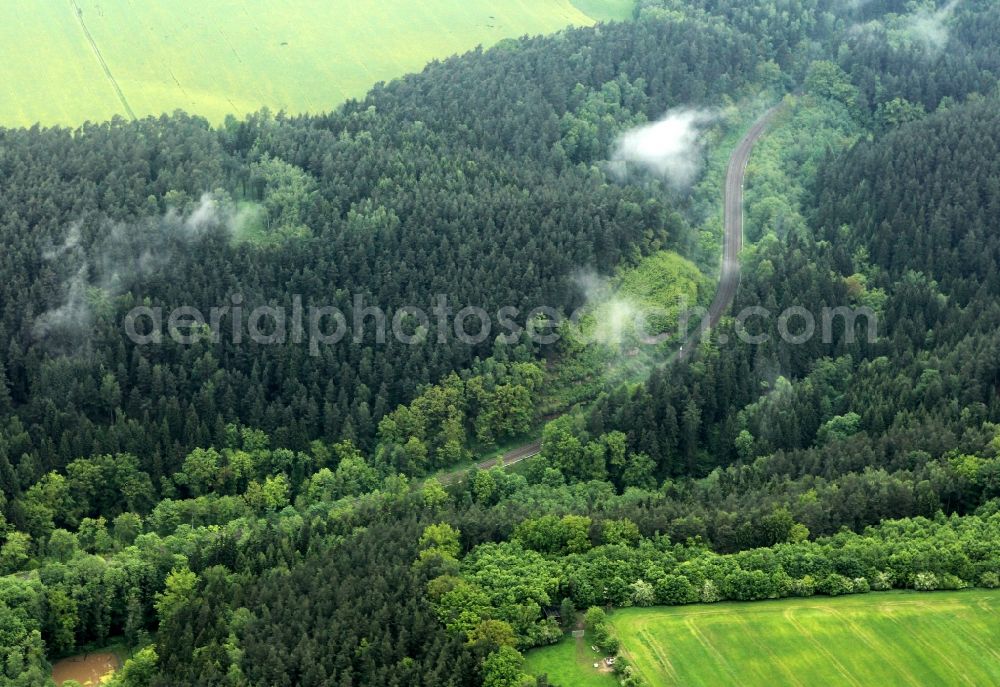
(670, 148)
(126, 253)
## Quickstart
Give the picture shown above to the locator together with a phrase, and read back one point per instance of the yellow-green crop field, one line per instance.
(877, 640)
(69, 61)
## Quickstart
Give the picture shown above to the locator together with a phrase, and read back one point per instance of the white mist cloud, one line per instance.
(670, 148)
(852, 5)
(208, 213)
(126, 254)
(614, 315)
(74, 312)
(929, 27)
(69, 244)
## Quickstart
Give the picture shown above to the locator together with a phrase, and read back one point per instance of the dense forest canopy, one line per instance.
(246, 514)
(431, 185)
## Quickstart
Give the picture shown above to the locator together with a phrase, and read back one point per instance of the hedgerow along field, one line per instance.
(883, 639)
(69, 61)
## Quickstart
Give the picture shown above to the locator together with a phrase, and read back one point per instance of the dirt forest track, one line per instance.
(729, 275)
(509, 458)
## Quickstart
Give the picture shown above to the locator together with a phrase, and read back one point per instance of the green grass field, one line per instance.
(606, 10)
(884, 639)
(117, 57)
(570, 663)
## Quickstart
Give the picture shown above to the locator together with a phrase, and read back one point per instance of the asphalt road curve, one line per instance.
(729, 274)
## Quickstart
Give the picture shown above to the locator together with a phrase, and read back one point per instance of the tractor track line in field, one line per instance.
(660, 657)
(100, 58)
(187, 97)
(765, 649)
(989, 608)
(865, 637)
(707, 643)
(790, 617)
(971, 637)
(930, 648)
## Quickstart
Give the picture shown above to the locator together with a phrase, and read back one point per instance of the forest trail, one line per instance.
(511, 457)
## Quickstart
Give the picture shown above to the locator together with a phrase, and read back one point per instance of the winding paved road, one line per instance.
(729, 274)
